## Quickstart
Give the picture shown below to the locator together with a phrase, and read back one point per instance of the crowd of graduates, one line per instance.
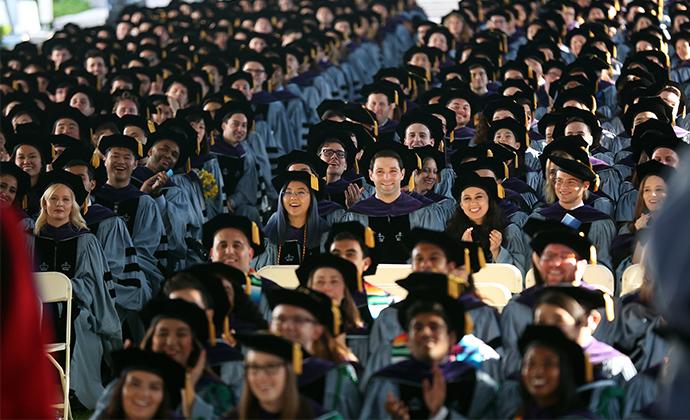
(160, 163)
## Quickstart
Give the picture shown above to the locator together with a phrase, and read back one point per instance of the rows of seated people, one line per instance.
(162, 162)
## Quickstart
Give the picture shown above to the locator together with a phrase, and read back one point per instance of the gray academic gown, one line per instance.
(379, 388)
(96, 331)
(132, 291)
(196, 208)
(215, 205)
(245, 199)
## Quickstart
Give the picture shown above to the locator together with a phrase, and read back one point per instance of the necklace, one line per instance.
(304, 247)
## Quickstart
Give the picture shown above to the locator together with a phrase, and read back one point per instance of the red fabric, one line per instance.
(27, 388)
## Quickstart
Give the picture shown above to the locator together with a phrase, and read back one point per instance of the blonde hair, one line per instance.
(75, 218)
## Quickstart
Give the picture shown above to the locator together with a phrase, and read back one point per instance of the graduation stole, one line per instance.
(253, 287)
(376, 296)
(458, 353)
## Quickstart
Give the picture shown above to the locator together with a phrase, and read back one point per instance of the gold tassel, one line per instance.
(226, 327)
(269, 85)
(442, 146)
(608, 306)
(247, 284)
(419, 161)
(213, 138)
(198, 148)
(212, 333)
(597, 183)
(410, 184)
(85, 207)
(500, 191)
(481, 258)
(314, 181)
(376, 129)
(337, 320)
(453, 289)
(490, 154)
(589, 372)
(53, 152)
(356, 166)
(95, 160)
(187, 394)
(188, 166)
(360, 285)
(469, 324)
(506, 172)
(369, 237)
(140, 149)
(25, 202)
(297, 358)
(468, 262)
(593, 255)
(152, 126)
(452, 136)
(256, 235)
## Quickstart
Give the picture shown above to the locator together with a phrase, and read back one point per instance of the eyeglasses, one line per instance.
(297, 320)
(328, 153)
(299, 194)
(270, 369)
(561, 257)
(257, 71)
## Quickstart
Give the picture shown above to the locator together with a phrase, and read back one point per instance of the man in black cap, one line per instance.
(390, 211)
(138, 210)
(235, 241)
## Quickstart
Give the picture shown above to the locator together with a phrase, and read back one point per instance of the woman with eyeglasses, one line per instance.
(296, 230)
(272, 365)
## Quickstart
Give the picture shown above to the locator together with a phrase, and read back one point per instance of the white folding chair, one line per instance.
(596, 275)
(495, 294)
(505, 274)
(55, 287)
(386, 275)
(283, 275)
(632, 278)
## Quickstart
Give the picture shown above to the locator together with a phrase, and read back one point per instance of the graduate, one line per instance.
(478, 218)
(332, 143)
(167, 150)
(338, 279)
(206, 165)
(298, 160)
(236, 241)
(651, 184)
(390, 212)
(132, 290)
(428, 179)
(574, 310)
(573, 179)
(272, 367)
(436, 252)
(138, 210)
(63, 243)
(431, 383)
(196, 285)
(247, 186)
(382, 99)
(312, 320)
(569, 147)
(297, 230)
(419, 128)
(560, 255)
(14, 185)
(357, 244)
(31, 154)
(180, 329)
(463, 102)
(553, 368)
(149, 385)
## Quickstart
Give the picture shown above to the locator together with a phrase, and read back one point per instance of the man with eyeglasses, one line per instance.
(560, 255)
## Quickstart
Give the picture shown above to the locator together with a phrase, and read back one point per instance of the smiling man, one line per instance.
(235, 241)
(138, 210)
(573, 180)
(560, 256)
(390, 212)
(430, 383)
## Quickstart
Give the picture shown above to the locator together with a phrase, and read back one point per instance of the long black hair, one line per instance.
(480, 234)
